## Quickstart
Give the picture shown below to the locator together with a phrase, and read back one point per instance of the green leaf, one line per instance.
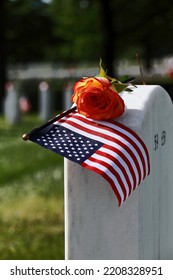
(124, 78)
(129, 89)
(119, 86)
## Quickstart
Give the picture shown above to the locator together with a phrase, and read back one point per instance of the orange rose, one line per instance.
(97, 98)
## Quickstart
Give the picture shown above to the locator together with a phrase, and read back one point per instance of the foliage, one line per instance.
(146, 29)
(74, 30)
(77, 27)
(31, 196)
(27, 30)
(61, 31)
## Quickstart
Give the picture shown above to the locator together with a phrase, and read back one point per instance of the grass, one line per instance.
(31, 196)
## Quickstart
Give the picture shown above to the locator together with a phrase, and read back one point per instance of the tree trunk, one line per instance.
(108, 37)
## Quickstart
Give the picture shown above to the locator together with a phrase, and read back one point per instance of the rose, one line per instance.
(97, 98)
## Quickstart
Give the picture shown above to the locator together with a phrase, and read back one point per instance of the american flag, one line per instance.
(105, 147)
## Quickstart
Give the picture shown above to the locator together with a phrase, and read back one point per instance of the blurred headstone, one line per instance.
(45, 101)
(11, 104)
(68, 90)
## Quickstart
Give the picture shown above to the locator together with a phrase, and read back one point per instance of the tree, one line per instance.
(144, 26)
(77, 27)
(109, 36)
(74, 31)
(27, 30)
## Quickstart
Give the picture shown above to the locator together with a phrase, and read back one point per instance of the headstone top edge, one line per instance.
(139, 102)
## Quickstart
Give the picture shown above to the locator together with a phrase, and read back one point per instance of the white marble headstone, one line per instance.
(67, 94)
(142, 228)
(45, 101)
(11, 104)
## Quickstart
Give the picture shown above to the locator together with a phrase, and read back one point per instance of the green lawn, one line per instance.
(31, 196)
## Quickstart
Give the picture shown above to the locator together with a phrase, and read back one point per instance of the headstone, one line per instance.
(45, 101)
(11, 104)
(68, 90)
(142, 227)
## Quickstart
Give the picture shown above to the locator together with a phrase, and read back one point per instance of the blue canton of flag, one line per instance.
(67, 143)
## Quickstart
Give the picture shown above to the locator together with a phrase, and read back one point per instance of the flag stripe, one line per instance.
(103, 132)
(111, 172)
(118, 132)
(116, 161)
(115, 169)
(122, 131)
(132, 143)
(124, 161)
(120, 128)
(98, 168)
(75, 126)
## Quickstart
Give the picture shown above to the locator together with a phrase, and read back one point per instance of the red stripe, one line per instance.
(138, 138)
(93, 132)
(113, 171)
(97, 124)
(117, 132)
(127, 162)
(107, 178)
(121, 167)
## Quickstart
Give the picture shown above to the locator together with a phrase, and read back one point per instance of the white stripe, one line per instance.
(98, 138)
(109, 174)
(115, 167)
(104, 140)
(130, 135)
(123, 131)
(123, 163)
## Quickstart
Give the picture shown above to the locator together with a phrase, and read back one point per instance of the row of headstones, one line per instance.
(15, 105)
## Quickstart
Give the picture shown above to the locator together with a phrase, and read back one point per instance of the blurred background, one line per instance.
(45, 46)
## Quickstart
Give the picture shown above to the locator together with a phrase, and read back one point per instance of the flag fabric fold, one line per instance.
(106, 147)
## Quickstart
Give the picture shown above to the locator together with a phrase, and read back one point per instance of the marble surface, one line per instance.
(11, 104)
(142, 228)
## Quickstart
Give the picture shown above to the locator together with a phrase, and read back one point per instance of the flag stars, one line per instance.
(69, 144)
